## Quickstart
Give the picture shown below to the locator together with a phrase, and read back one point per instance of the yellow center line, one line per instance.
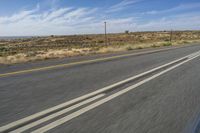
(78, 63)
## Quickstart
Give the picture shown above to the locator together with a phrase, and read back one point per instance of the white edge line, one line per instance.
(36, 115)
(100, 102)
(24, 128)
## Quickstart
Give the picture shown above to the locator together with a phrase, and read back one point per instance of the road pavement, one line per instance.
(166, 103)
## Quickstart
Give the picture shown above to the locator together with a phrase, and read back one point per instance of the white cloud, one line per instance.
(18, 17)
(87, 21)
(122, 5)
(56, 21)
(55, 14)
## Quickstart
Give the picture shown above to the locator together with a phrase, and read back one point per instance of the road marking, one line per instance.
(100, 102)
(81, 98)
(81, 62)
(24, 128)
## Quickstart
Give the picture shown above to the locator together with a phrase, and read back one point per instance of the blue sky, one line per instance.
(59, 17)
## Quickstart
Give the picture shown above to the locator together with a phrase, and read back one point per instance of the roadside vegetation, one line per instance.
(41, 48)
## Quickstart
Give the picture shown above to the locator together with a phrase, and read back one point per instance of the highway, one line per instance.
(141, 91)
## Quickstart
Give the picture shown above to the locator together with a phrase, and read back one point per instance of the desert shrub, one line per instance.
(100, 41)
(185, 42)
(31, 53)
(167, 44)
(166, 39)
(139, 47)
(154, 46)
(2, 49)
(13, 52)
(141, 40)
(129, 48)
(126, 32)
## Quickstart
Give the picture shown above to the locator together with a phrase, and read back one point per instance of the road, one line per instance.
(163, 101)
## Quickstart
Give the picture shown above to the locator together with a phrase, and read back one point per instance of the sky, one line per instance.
(69, 17)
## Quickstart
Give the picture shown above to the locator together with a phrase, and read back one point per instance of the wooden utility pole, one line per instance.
(171, 36)
(105, 34)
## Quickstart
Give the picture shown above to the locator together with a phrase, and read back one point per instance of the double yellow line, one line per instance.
(78, 63)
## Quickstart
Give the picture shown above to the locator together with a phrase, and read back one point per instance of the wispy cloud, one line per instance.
(60, 21)
(33, 22)
(122, 5)
(19, 16)
(55, 14)
(82, 20)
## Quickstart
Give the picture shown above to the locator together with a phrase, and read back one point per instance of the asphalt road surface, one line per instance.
(143, 91)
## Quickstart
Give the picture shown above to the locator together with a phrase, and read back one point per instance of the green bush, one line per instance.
(2, 49)
(167, 44)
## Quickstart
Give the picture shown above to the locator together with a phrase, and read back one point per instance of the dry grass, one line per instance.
(43, 55)
(23, 50)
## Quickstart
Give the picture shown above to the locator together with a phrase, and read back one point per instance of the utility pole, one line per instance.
(171, 36)
(105, 33)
